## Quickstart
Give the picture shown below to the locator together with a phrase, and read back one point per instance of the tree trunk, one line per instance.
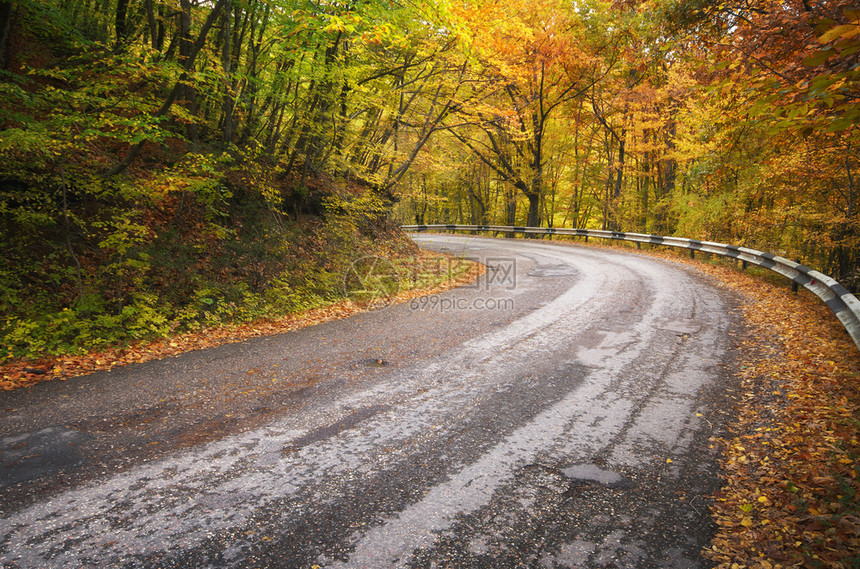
(150, 21)
(5, 34)
(534, 209)
(189, 93)
(619, 170)
(159, 41)
(226, 63)
(511, 208)
(120, 23)
(534, 192)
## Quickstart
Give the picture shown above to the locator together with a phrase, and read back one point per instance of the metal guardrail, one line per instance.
(844, 304)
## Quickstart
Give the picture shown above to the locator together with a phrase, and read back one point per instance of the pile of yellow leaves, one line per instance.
(791, 498)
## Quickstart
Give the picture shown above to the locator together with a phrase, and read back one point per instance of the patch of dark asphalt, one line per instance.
(556, 516)
(543, 519)
(113, 444)
(42, 453)
(589, 472)
(335, 428)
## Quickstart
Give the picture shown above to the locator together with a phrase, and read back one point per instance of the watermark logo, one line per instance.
(371, 282)
(501, 273)
(451, 303)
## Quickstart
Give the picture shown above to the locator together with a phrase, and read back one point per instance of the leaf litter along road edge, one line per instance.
(793, 458)
(430, 273)
(791, 463)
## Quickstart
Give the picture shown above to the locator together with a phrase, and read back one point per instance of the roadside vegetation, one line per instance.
(408, 273)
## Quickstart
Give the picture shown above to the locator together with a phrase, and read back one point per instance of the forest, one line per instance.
(167, 165)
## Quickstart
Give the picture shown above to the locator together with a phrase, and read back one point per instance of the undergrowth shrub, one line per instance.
(190, 248)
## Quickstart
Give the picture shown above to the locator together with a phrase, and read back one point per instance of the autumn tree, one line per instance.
(531, 62)
(784, 85)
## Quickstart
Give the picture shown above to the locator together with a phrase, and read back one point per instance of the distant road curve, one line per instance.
(840, 300)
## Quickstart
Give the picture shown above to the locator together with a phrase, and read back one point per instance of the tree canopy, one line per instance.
(145, 143)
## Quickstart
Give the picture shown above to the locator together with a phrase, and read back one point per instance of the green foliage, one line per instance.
(70, 331)
(202, 243)
(150, 282)
(51, 23)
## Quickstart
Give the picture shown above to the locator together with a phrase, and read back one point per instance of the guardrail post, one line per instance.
(794, 286)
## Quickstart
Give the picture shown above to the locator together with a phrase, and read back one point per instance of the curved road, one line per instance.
(555, 414)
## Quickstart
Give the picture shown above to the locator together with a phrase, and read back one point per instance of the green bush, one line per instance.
(92, 263)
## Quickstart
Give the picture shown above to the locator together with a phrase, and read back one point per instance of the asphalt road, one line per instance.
(555, 414)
